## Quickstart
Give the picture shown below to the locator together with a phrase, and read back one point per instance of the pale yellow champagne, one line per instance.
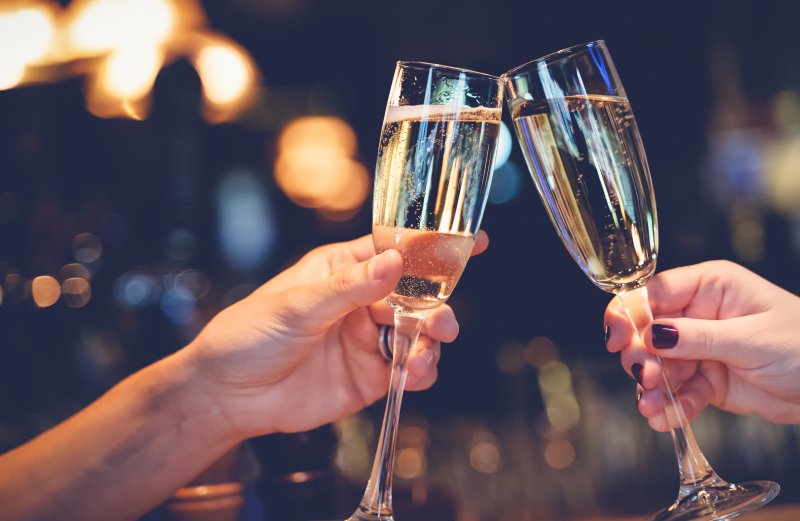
(589, 166)
(434, 164)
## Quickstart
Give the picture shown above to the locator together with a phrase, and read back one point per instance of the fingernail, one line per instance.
(636, 370)
(664, 337)
(379, 265)
(608, 333)
(427, 355)
(639, 393)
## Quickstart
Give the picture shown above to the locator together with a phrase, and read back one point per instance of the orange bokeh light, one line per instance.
(45, 290)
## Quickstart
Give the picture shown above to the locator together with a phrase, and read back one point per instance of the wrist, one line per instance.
(199, 406)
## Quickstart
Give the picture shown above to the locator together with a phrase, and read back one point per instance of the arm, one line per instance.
(299, 352)
(123, 454)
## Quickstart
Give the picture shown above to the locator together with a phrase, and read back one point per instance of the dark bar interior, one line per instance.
(143, 190)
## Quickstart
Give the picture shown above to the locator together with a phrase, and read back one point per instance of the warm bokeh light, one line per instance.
(327, 133)
(74, 269)
(485, 457)
(11, 74)
(122, 45)
(225, 72)
(26, 38)
(541, 351)
(563, 411)
(26, 34)
(315, 167)
(411, 463)
(348, 201)
(129, 72)
(310, 179)
(86, 247)
(102, 25)
(559, 454)
(46, 290)
(555, 378)
(76, 292)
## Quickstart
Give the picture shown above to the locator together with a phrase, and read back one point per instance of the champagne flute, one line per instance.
(583, 149)
(435, 164)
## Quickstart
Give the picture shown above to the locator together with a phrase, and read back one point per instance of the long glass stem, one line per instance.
(376, 505)
(693, 468)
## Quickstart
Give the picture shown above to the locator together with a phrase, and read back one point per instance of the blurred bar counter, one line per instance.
(768, 513)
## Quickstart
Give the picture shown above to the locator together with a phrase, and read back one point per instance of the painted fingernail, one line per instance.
(636, 370)
(664, 337)
(608, 333)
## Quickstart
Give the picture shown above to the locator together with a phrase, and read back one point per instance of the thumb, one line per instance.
(729, 341)
(330, 298)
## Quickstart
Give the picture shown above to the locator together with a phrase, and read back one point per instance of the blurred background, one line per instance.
(159, 159)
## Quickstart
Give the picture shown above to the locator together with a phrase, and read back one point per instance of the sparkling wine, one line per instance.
(432, 264)
(433, 162)
(589, 166)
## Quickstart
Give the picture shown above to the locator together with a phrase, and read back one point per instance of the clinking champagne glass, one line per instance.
(435, 164)
(577, 131)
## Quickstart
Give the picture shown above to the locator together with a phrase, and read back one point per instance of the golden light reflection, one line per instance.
(99, 26)
(224, 71)
(46, 291)
(321, 133)
(346, 204)
(309, 179)
(122, 45)
(76, 292)
(11, 74)
(26, 34)
(315, 167)
(26, 38)
(227, 74)
(129, 72)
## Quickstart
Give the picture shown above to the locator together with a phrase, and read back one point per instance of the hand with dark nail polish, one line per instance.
(636, 370)
(664, 337)
(739, 332)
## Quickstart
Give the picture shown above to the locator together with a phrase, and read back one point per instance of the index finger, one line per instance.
(674, 290)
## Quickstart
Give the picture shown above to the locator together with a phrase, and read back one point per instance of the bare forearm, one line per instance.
(120, 456)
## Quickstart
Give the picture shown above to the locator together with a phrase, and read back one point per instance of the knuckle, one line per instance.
(345, 280)
(703, 337)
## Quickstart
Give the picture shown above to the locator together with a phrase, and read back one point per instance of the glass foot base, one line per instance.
(362, 515)
(720, 502)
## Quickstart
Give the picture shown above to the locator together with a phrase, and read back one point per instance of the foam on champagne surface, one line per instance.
(395, 114)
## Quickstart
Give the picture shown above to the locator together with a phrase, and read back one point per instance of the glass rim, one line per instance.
(420, 65)
(553, 57)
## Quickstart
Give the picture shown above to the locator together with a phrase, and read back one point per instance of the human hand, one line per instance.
(728, 338)
(302, 350)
